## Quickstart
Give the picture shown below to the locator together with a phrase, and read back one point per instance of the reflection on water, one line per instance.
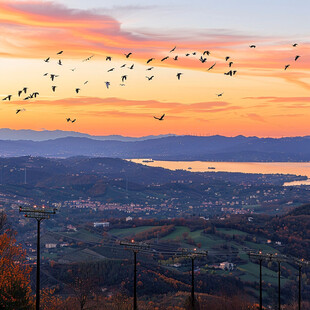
(244, 167)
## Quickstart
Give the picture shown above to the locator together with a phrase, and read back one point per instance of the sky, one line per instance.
(261, 99)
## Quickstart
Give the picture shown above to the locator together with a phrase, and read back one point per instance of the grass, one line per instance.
(231, 232)
(126, 232)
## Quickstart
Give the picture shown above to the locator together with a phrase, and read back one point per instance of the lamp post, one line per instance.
(40, 214)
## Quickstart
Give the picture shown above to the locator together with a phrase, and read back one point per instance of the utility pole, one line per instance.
(301, 263)
(135, 247)
(40, 214)
(192, 255)
(269, 257)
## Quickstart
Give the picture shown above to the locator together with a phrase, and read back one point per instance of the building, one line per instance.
(101, 224)
(50, 245)
(226, 266)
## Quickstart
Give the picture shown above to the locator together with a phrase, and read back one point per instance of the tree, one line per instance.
(15, 287)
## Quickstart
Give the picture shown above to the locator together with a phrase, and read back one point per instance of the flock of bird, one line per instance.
(202, 59)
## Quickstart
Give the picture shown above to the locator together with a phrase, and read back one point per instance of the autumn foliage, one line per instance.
(14, 275)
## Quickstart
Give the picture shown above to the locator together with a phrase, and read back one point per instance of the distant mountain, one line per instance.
(34, 135)
(213, 148)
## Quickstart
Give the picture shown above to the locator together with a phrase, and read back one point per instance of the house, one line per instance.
(101, 224)
(226, 266)
(50, 245)
(128, 218)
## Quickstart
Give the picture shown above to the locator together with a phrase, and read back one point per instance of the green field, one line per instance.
(127, 232)
(231, 232)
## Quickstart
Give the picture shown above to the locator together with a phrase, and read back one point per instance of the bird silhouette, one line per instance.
(173, 49)
(19, 93)
(175, 57)
(85, 82)
(77, 90)
(108, 58)
(73, 69)
(45, 74)
(297, 57)
(110, 70)
(149, 69)
(179, 75)
(220, 95)
(7, 97)
(206, 52)
(68, 119)
(35, 94)
(59, 62)
(212, 67)
(53, 76)
(123, 65)
(89, 58)
(227, 57)
(150, 77)
(128, 55)
(124, 78)
(165, 58)
(47, 59)
(294, 45)
(160, 118)
(231, 73)
(73, 120)
(150, 60)
(203, 60)
(60, 52)
(286, 67)
(20, 110)
(25, 90)
(252, 46)
(54, 88)
(230, 64)
(131, 67)
(194, 53)
(107, 84)
(187, 54)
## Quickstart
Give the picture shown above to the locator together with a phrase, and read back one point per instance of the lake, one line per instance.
(243, 167)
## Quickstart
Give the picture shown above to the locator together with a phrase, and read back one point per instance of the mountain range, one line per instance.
(208, 148)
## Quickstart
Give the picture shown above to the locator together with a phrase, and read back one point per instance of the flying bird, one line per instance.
(77, 90)
(59, 62)
(107, 84)
(194, 53)
(206, 52)
(294, 45)
(150, 77)
(45, 74)
(47, 59)
(131, 67)
(230, 64)
(85, 82)
(286, 67)
(20, 110)
(68, 119)
(187, 54)
(110, 70)
(252, 46)
(150, 60)
(150, 68)
(227, 57)
(123, 65)
(25, 90)
(19, 93)
(165, 58)
(73, 69)
(89, 58)
(54, 88)
(203, 60)
(173, 49)
(297, 57)
(73, 120)
(175, 57)
(128, 55)
(179, 75)
(124, 78)
(7, 97)
(212, 67)
(108, 58)
(160, 118)
(53, 76)
(60, 52)
(220, 95)
(35, 94)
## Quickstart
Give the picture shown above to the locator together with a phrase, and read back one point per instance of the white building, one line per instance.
(101, 224)
(226, 266)
(50, 245)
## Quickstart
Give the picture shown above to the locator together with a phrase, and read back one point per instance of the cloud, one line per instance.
(280, 99)
(256, 117)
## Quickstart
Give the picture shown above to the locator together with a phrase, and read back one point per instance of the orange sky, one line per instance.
(262, 98)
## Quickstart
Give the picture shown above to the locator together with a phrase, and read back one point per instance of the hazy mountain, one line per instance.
(33, 135)
(214, 148)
